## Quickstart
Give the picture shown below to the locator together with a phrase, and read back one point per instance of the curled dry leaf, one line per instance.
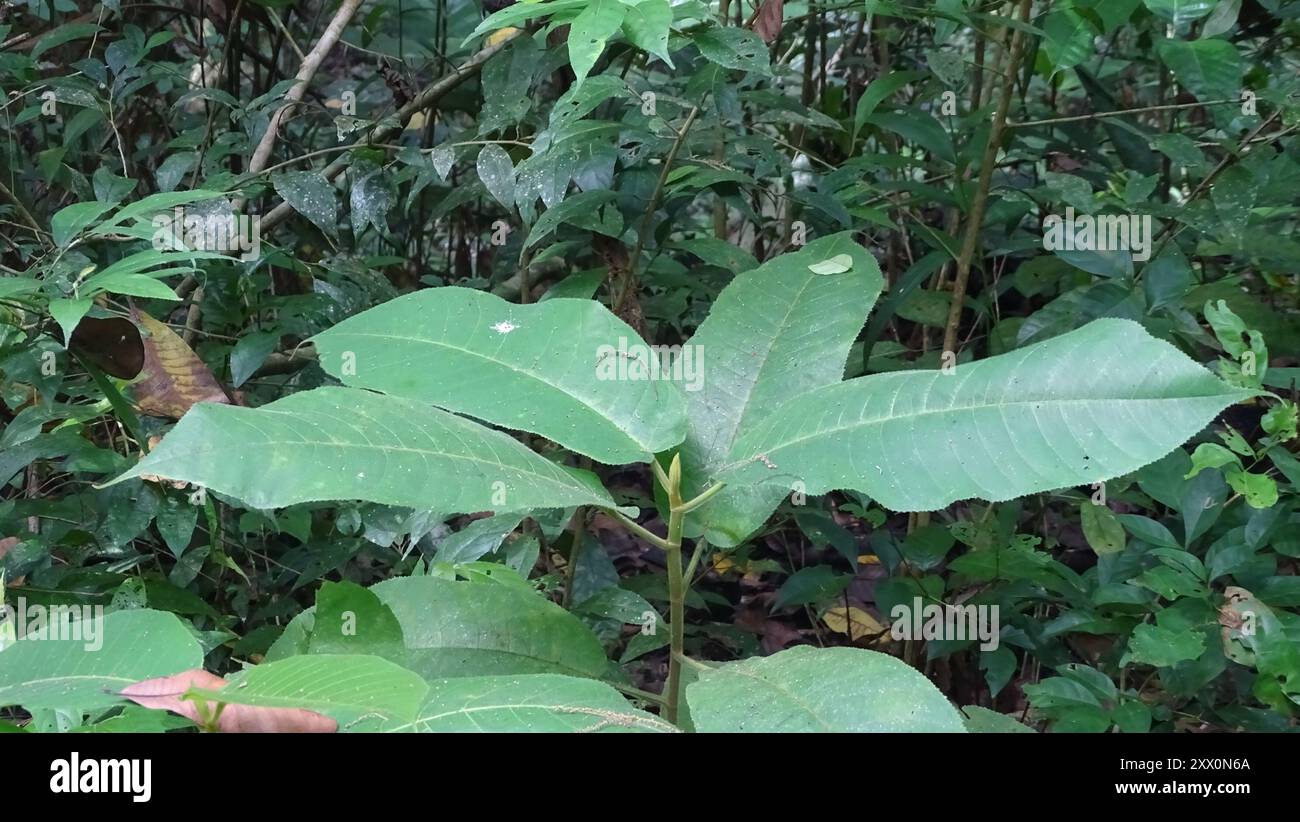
(173, 377)
(113, 344)
(165, 693)
(767, 21)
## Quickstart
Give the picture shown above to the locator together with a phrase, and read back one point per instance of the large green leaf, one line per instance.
(345, 443)
(808, 689)
(1068, 37)
(1083, 407)
(455, 629)
(537, 703)
(1180, 12)
(531, 367)
(774, 333)
(87, 669)
(1210, 69)
(345, 687)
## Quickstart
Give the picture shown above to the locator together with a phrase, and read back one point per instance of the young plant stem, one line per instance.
(976, 216)
(647, 219)
(676, 592)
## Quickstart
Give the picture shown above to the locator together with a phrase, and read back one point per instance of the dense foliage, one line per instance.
(650, 365)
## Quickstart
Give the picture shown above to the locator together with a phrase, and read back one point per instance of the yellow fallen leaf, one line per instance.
(868, 559)
(722, 563)
(839, 619)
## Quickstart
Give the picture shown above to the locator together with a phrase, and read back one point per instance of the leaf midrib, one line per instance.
(534, 376)
(758, 372)
(864, 423)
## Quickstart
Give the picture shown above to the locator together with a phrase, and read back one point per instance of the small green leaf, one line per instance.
(1102, 529)
(595, 24)
(1162, 647)
(69, 222)
(835, 265)
(68, 313)
(498, 174)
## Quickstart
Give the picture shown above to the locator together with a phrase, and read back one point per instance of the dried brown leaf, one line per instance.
(112, 344)
(768, 19)
(173, 377)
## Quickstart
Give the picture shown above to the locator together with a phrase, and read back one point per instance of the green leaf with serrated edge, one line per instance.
(535, 703)
(345, 444)
(819, 689)
(1083, 407)
(983, 721)
(774, 333)
(535, 368)
(84, 666)
(346, 687)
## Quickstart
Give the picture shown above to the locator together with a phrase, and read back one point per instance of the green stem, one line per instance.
(676, 593)
(648, 536)
(700, 545)
(579, 537)
(705, 496)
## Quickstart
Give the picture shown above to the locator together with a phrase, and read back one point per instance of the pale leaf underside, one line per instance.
(1084, 407)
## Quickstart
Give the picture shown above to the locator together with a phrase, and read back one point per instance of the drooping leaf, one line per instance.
(467, 351)
(1084, 407)
(476, 539)
(807, 689)
(647, 25)
(344, 443)
(68, 313)
(497, 174)
(595, 24)
(309, 194)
